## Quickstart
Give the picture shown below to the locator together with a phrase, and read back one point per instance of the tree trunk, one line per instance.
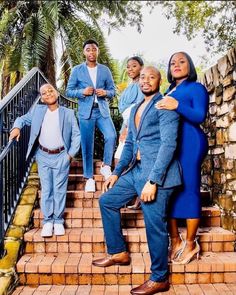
(48, 65)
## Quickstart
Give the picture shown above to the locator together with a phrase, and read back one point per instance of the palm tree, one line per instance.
(30, 32)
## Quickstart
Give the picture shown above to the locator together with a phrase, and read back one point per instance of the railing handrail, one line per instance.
(6, 149)
(6, 99)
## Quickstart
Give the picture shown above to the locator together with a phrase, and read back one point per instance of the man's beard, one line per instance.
(150, 93)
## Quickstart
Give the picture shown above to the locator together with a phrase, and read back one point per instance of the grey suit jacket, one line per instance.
(156, 139)
(68, 125)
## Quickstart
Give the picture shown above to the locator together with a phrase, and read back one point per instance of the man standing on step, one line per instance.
(55, 131)
(93, 85)
(147, 168)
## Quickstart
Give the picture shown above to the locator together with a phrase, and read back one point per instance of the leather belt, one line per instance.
(95, 105)
(51, 152)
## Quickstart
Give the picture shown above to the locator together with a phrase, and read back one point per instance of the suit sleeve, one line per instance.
(169, 122)
(24, 120)
(110, 86)
(75, 136)
(200, 101)
(72, 89)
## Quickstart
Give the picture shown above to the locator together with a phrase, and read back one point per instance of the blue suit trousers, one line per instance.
(53, 173)
(87, 130)
(155, 217)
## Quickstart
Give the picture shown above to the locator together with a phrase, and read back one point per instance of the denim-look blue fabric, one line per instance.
(155, 217)
(53, 172)
(87, 129)
(80, 79)
(156, 139)
(131, 95)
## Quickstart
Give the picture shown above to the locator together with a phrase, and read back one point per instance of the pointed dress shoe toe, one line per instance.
(122, 258)
(150, 288)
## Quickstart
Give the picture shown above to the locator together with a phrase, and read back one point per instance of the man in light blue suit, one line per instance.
(147, 168)
(55, 132)
(92, 84)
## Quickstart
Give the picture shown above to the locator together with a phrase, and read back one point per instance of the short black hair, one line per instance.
(192, 76)
(90, 41)
(137, 58)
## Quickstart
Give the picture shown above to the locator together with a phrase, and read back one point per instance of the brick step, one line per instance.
(76, 166)
(81, 199)
(183, 289)
(89, 240)
(91, 217)
(76, 268)
(77, 182)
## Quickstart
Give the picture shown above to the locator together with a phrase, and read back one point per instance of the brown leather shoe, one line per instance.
(121, 258)
(151, 287)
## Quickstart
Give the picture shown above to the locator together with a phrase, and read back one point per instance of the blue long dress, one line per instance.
(192, 148)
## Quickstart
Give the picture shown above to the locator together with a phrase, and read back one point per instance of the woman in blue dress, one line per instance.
(190, 99)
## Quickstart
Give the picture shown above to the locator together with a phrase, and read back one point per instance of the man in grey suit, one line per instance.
(55, 132)
(147, 168)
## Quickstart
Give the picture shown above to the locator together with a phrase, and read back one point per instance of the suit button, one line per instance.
(137, 141)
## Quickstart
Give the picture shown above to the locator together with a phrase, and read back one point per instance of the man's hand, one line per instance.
(88, 91)
(15, 134)
(149, 192)
(109, 183)
(100, 92)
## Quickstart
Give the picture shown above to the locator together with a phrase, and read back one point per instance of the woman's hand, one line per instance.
(167, 103)
(123, 135)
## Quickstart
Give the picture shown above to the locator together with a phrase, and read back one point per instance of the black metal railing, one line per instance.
(14, 167)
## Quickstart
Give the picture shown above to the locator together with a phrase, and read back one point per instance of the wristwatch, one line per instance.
(152, 182)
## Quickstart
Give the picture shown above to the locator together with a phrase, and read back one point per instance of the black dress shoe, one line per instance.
(122, 258)
(150, 288)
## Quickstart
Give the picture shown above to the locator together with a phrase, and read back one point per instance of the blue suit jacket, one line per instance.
(68, 125)
(80, 79)
(156, 139)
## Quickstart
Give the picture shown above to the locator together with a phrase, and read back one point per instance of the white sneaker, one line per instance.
(59, 229)
(90, 185)
(105, 171)
(47, 230)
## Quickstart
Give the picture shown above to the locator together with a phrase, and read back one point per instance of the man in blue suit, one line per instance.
(54, 129)
(93, 85)
(147, 168)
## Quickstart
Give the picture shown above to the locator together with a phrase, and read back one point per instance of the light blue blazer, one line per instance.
(156, 139)
(68, 125)
(80, 79)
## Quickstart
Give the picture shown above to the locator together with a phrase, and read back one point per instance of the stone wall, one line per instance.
(219, 168)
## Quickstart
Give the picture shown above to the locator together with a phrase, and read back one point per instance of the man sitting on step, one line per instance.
(55, 131)
(147, 168)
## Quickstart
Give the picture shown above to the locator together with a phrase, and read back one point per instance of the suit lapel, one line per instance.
(98, 76)
(86, 73)
(149, 105)
(61, 119)
(135, 112)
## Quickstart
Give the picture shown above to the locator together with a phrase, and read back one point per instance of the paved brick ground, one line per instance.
(194, 289)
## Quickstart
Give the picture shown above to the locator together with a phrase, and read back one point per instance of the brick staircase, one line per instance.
(62, 265)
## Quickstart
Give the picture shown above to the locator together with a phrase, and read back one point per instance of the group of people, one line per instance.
(157, 162)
